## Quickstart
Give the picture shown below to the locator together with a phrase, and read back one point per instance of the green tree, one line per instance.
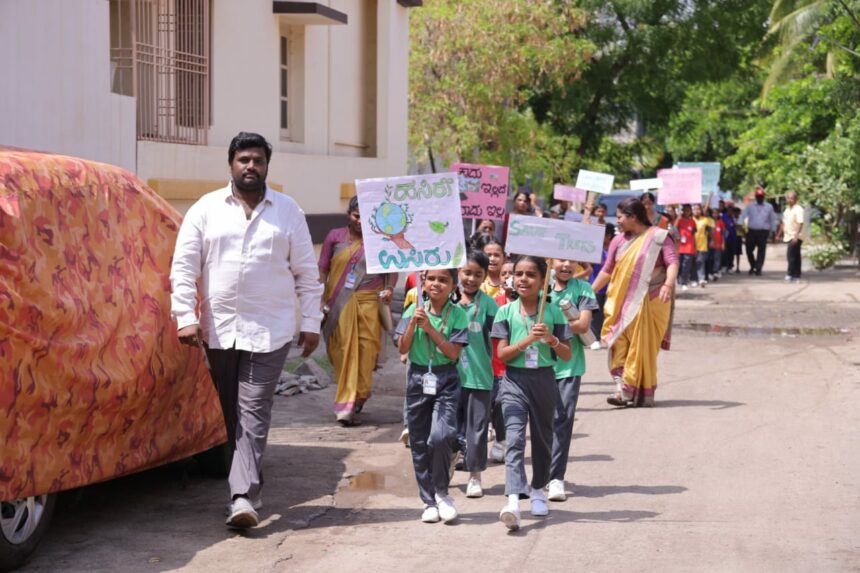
(796, 22)
(711, 119)
(793, 117)
(648, 54)
(473, 66)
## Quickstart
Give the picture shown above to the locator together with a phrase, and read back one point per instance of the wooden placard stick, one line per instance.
(419, 295)
(543, 298)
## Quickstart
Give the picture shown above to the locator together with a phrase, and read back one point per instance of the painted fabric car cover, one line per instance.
(93, 381)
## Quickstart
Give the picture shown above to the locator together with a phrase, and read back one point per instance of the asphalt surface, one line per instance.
(749, 462)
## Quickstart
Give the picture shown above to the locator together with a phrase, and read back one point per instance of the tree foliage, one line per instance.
(473, 66)
(627, 86)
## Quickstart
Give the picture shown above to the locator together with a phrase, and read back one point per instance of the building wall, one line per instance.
(55, 95)
(353, 118)
(350, 95)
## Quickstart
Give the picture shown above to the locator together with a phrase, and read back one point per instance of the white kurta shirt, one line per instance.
(251, 272)
(792, 219)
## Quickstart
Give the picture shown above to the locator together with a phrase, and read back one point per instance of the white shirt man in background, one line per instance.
(792, 235)
(248, 251)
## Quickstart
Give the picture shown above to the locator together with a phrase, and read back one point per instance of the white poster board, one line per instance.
(594, 181)
(646, 184)
(554, 238)
(411, 223)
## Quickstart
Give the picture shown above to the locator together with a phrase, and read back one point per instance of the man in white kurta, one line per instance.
(247, 249)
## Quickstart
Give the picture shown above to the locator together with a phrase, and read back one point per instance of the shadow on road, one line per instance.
(557, 516)
(604, 490)
(712, 404)
(160, 519)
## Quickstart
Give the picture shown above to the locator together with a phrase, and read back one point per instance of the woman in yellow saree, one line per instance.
(352, 329)
(641, 268)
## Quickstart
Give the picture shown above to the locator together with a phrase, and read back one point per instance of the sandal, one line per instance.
(617, 400)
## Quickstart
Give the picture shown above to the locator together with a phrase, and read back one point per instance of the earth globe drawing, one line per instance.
(392, 220)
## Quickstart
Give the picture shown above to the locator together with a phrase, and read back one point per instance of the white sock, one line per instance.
(514, 500)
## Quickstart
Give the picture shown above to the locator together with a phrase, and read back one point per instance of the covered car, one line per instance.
(93, 381)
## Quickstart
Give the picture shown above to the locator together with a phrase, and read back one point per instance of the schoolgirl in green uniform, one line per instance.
(433, 336)
(568, 373)
(476, 370)
(528, 390)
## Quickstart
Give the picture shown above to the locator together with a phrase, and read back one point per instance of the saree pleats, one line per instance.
(352, 350)
(636, 319)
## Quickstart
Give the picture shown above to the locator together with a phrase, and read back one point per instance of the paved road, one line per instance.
(748, 463)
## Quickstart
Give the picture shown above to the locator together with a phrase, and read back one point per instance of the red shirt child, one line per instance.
(718, 236)
(687, 236)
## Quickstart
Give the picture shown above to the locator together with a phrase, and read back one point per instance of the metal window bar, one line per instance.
(171, 60)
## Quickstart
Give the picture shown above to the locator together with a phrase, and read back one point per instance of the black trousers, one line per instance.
(793, 255)
(756, 247)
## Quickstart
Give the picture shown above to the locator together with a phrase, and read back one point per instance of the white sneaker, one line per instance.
(256, 503)
(430, 515)
(404, 437)
(497, 452)
(694, 284)
(595, 345)
(242, 514)
(684, 287)
(491, 434)
(539, 506)
(474, 489)
(556, 490)
(787, 278)
(447, 511)
(510, 516)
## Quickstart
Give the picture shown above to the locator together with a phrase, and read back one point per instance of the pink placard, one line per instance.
(569, 193)
(483, 190)
(683, 185)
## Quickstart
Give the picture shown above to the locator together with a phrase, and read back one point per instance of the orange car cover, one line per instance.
(93, 381)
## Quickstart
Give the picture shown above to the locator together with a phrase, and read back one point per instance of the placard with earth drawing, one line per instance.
(411, 223)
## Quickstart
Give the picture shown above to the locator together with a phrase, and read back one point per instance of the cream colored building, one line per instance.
(160, 87)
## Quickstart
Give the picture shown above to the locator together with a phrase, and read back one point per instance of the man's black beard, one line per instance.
(759, 200)
(258, 187)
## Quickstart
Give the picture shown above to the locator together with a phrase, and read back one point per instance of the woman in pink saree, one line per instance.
(641, 268)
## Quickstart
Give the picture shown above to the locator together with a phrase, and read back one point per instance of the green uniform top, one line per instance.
(581, 296)
(423, 349)
(513, 327)
(475, 366)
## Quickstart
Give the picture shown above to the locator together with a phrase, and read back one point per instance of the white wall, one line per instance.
(245, 98)
(55, 94)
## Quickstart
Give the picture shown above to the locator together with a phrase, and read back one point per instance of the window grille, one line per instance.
(168, 53)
